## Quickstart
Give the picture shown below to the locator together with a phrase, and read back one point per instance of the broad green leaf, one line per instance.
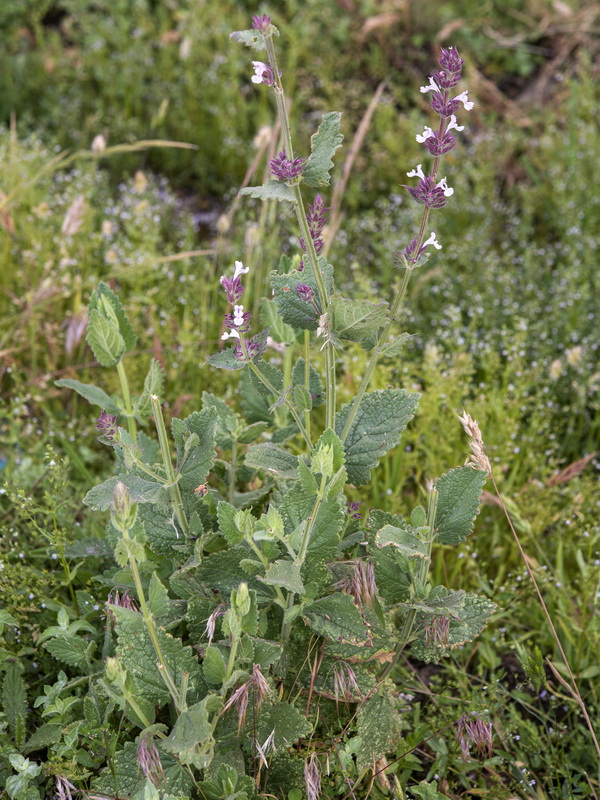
(251, 38)
(273, 190)
(266, 653)
(288, 723)
(315, 384)
(158, 597)
(337, 618)
(292, 309)
(42, 737)
(273, 375)
(14, 697)
(71, 650)
(378, 727)
(328, 525)
(226, 359)
(163, 536)
(142, 491)
(91, 393)
(250, 433)
(458, 503)
(213, 666)
(405, 541)
(285, 574)
(392, 570)
(393, 347)
(222, 571)
(426, 791)
(270, 458)
(196, 465)
(331, 439)
(104, 300)
(130, 779)
(280, 331)
(324, 143)
(227, 420)
(301, 398)
(137, 654)
(227, 527)
(357, 320)
(105, 340)
(376, 429)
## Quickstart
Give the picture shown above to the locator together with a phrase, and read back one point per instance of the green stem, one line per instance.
(231, 662)
(174, 490)
(267, 383)
(232, 471)
(127, 399)
(310, 523)
(307, 377)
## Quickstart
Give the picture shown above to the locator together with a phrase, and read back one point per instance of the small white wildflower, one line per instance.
(240, 269)
(463, 98)
(238, 315)
(448, 191)
(261, 71)
(432, 240)
(230, 335)
(432, 87)
(452, 126)
(427, 134)
(416, 173)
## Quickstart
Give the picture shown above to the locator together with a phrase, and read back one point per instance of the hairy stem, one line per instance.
(126, 399)
(174, 490)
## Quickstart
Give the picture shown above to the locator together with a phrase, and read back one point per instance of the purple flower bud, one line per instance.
(477, 730)
(239, 320)
(262, 23)
(449, 60)
(284, 169)
(107, 425)
(438, 145)
(412, 253)
(427, 191)
(352, 509)
(233, 286)
(443, 108)
(447, 80)
(305, 292)
(149, 761)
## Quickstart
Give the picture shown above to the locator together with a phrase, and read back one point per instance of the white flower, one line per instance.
(416, 173)
(230, 335)
(260, 70)
(238, 315)
(427, 134)
(463, 98)
(432, 240)
(448, 192)
(452, 126)
(240, 270)
(433, 87)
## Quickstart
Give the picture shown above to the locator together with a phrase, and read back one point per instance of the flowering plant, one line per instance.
(256, 616)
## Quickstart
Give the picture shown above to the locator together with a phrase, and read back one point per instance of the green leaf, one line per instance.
(227, 420)
(213, 666)
(91, 393)
(458, 503)
(376, 429)
(426, 791)
(269, 458)
(330, 439)
(393, 347)
(337, 618)
(285, 574)
(286, 721)
(137, 654)
(357, 320)
(405, 541)
(273, 374)
(14, 696)
(104, 300)
(378, 727)
(163, 537)
(142, 491)
(153, 384)
(315, 384)
(226, 359)
(392, 570)
(196, 465)
(222, 571)
(273, 190)
(191, 741)
(324, 143)
(251, 38)
(70, 650)
(105, 340)
(130, 780)
(301, 398)
(227, 527)
(292, 309)
(250, 433)
(280, 331)
(158, 596)
(41, 738)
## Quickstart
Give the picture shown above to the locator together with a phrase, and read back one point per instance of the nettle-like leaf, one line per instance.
(404, 540)
(378, 728)
(71, 650)
(222, 571)
(427, 791)
(357, 320)
(273, 190)
(392, 569)
(337, 618)
(153, 384)
(292, 308)
(105, 340)
(226, 359)
(130, 780)
(163, 536)
(91, 393)
(270, 458)
(459, 491)
(286, 721)
(315, 384)
(251, 38)
(136, 652)
(14, 697)
(376, 429)
(324, 143)
(280, 330)
(323, 543)
(141, 491)
(195, 465)
(227, 420)
(393, 347)
(285, 574)
(273, 374)
(191, 741)
(227, 527)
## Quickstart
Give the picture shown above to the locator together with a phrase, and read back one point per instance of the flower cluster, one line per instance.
(240, 697)
(107, 425)
(261, 23)
(431, 192)
(477, 730)
(317, 219)
(263, 74)
(239, 321)
(286, 169)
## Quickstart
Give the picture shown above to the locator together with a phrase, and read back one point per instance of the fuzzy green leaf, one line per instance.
(141, 491)
(105, 340)
(226, 359)
(131, 781)
(376, 429)
(337, 618)
(251, 38)
(393, 347)
(273, 190)
(91, 393)
(357, 320)
(392, 569)
(269, 458)
(227, 420)
(222, 571)
(153, 384)
(280, 331)
(324, 143)
(286, 721)
(227, 527)
(378, 727)
(191, 740)
(71, 650)
(292, 309)
(163, 536)
(213, 666)
(315, 384)
(250, 433)
(458, 503)
(403, 540)
(14, 697)
(198, 461)
(103, 298)
(285, 574)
